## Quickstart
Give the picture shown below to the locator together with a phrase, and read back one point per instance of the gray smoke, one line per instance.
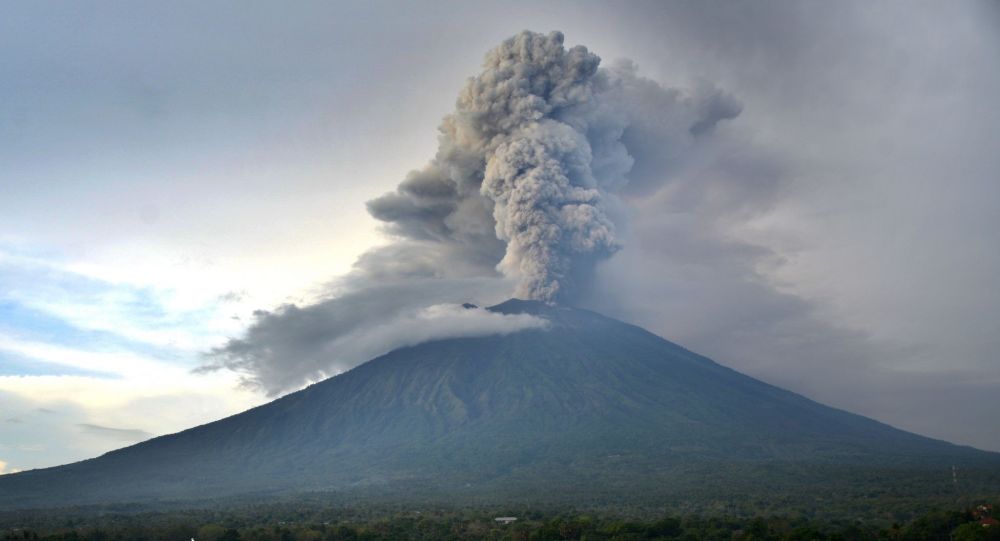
(534, 157)
(527, 191)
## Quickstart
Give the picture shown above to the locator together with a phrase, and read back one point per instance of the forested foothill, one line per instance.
(311, 521)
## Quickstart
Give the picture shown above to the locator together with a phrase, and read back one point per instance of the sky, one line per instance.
(206, 205)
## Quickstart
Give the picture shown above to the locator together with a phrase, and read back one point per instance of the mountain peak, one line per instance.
(522, 306)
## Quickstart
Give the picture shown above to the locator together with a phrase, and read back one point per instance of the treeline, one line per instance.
(460, 526)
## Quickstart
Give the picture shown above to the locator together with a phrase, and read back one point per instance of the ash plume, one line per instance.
(528, 190)
(534, 153)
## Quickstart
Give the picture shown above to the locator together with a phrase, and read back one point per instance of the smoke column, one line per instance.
(534, 156)
(519, 139)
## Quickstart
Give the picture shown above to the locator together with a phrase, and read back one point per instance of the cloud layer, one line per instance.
(125, 435)
(88, 365)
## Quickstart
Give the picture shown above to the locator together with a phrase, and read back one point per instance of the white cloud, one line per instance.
(117, 363)
(436, 322)
(53, 411)
(180, 314)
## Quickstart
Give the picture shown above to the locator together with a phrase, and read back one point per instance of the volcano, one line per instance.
(587, 410)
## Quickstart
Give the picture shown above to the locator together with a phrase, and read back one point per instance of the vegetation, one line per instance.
(306, 522)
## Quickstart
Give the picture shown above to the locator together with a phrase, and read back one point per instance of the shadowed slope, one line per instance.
(588, 409)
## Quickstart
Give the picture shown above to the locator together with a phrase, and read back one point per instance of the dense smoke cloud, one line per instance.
(293, 345)
(527, 192)
(535, 155)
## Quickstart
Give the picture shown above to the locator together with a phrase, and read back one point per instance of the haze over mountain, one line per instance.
(582, 409)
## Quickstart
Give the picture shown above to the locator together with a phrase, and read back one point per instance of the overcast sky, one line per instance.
(166, 170)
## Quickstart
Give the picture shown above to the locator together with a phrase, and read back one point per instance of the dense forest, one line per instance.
(290, 522)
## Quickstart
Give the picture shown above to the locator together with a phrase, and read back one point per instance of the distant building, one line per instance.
(982, 515)
(505, 520)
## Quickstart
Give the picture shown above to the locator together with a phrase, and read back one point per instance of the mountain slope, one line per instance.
(588, 409)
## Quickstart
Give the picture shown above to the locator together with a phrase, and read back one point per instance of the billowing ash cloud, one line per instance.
(528, 190)
(534, 157)
(292, 345)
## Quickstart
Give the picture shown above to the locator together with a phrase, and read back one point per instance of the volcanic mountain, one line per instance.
(585, 410)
